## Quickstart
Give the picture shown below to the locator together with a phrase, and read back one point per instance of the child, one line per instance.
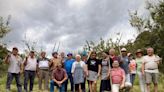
(132, 68)
(117, 76)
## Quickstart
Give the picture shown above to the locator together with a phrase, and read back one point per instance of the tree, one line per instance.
(154, 34)
(4, 26)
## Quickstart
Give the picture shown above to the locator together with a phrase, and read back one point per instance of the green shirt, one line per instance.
(139, 63)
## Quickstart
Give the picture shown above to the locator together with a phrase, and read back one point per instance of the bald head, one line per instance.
(150, 51)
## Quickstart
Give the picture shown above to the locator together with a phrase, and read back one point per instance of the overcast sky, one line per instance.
(70, 22)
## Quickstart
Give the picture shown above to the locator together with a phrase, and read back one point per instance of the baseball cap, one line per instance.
(69, 54)
(123, 49)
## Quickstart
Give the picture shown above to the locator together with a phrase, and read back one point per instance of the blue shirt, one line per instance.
(68, 65)
(125, 64)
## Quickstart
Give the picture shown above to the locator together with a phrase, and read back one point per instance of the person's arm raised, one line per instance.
(7, 59)
(25, 62)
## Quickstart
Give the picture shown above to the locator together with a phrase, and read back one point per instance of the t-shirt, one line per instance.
(151, 63)
(125, 64)
(132, 66)
(59, 74)
(117, 75)
(82, 64)
(31, 64)
(93, 64)
(14, 64)
(139, 64)
(68, 65)
(43, 63)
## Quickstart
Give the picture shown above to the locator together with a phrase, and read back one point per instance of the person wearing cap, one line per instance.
(14, 69)
(59, 76)
(78, 73)
(150, 69)
(124, 64)
(68, 66)
(117, 77)
(132, 67)
(139, 60)
(53, 62)
(30, 65)
(43, 70)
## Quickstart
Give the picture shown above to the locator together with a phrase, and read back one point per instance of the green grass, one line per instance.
(135, 87)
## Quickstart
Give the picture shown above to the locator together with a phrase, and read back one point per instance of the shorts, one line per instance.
(151, 77)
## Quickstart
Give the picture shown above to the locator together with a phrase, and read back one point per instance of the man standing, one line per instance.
(43, 67)
(68, 66)
(15, 62)
(150, 69)
(30, 64)
(54, 61)
(124, 64)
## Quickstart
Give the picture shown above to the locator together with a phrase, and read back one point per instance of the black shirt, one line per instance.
(93, 64)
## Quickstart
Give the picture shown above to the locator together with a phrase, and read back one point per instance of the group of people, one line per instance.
(115, 72)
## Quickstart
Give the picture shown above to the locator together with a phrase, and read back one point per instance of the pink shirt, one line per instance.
(117, 75)
(132, 66)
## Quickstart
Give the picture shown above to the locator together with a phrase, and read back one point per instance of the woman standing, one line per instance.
(139, 60)
(93, 71)
(105, 71)
(78, 69)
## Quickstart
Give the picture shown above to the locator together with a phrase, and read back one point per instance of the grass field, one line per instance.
(3, 73)
(135, 88)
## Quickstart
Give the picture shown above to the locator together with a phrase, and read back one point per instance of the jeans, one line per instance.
(132, 78)
(61, 88)
(29, 75)
(10, 77)
(71, 81)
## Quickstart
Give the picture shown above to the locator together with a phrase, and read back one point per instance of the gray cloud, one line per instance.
(72, 24)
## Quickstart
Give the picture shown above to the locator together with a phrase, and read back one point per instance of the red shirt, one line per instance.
(117, 75)
(59, 74)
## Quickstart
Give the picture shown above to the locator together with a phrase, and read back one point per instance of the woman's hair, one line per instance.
(93, 52)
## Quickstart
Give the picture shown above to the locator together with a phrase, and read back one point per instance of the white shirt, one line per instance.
(82, 64)
(151, 63)
(14, 64)
(31, 64)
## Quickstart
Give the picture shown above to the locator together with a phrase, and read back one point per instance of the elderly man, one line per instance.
(15, 62)
(150, 69)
